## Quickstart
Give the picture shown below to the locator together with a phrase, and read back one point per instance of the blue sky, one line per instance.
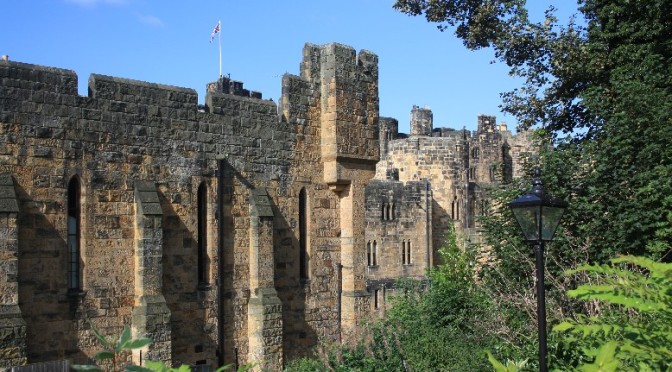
(167, 42)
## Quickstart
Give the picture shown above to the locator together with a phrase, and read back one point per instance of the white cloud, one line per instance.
(90, 3)
(150, 20)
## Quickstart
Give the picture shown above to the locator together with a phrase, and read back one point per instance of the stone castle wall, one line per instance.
(239, 231)
(398, 235)
(461, 166)
(140, 153)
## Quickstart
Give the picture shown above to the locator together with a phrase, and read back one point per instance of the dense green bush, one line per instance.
(635, 330)
(435, 325)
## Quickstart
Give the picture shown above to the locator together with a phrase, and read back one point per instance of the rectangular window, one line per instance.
(74, 231)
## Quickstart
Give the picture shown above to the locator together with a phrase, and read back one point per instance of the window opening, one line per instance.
(303, 233)
(202, 212)
(74, 233)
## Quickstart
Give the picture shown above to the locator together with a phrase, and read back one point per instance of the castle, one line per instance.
(241, 231)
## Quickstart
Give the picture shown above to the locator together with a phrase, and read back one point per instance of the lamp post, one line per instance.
(538, 215)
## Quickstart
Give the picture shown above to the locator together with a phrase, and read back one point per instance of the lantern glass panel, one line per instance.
(551, 219)
(528, 220)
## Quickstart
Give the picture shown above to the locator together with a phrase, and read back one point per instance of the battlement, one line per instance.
(337, 60)
(140, 92)
(35, 77)
(227, 86)
(451, 132)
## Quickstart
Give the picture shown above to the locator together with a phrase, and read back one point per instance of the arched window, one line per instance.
(202, 212)
(74, 235)
(369, 257)
(303, 234)
(403, 252)
(382, 212)
(394, 210)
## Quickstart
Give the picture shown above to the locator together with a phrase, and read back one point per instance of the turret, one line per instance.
(422, 121)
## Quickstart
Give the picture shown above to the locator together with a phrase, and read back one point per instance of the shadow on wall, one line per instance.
(441, 222)
(53, 319)
(292, 288)
(190, 301)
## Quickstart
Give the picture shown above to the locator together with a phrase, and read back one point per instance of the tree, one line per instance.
(602, 91)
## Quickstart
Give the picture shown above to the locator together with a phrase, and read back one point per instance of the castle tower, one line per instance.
(389, 128)
(422, 121)
(486, 123)
(349, 127)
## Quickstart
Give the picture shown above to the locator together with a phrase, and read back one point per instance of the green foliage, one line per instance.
(114, 352)
(439, 325)
(510, 365)
(305, 365)
(635, 333)
(117, 351)
(601, 92)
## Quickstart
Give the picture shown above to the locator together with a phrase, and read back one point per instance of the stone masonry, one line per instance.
(151, 195)
(460, 166)
(238, 231)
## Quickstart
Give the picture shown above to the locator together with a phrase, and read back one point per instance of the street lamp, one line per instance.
(538, 215)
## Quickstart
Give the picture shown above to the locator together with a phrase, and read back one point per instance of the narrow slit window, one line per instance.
(303, 234)
(74, 233)
(202, 249)
(408, 252)
(368, 254)
(375, 252)
(403, 252)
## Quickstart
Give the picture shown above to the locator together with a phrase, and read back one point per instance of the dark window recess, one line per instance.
(303, 234)
(202, 202)
(74, 232)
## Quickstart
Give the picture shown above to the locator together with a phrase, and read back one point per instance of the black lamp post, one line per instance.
(538, 215)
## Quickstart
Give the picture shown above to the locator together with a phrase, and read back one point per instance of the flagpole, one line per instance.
(219, 39)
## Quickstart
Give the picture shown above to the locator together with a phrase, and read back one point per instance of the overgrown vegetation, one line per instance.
(634, 331)
(439, 325)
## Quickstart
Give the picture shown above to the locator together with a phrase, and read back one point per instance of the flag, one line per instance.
(215, 31)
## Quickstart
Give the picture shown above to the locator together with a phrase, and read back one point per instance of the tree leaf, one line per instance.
(100, 337)
(563, 327)
(102, 355)
(137, 343)
(123, 339)
(496, 364)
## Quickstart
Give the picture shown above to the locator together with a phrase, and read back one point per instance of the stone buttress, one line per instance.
(264, 311)
(12, 325)
(151, 316)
